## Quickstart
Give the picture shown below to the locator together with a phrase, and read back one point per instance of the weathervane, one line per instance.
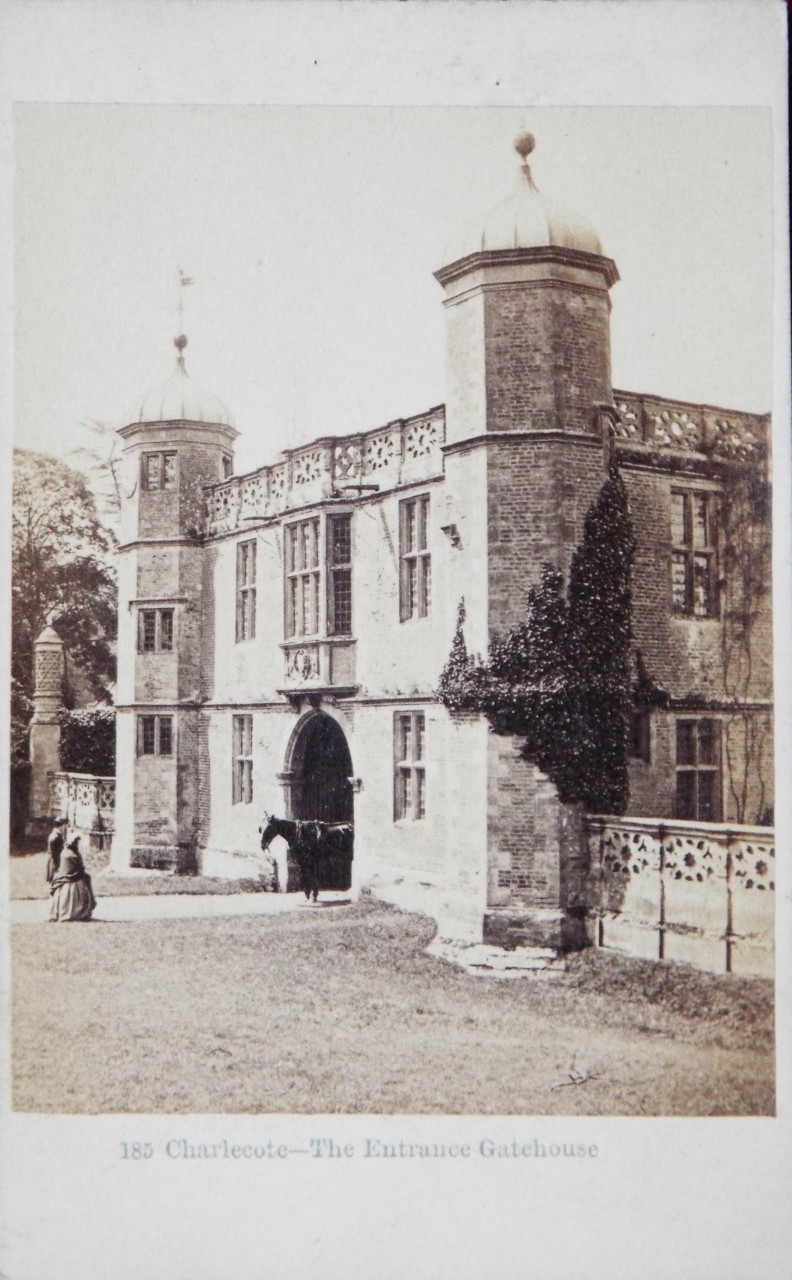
(183, 282)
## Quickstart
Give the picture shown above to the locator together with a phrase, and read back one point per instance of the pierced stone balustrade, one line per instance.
(661, 425)
(695, 891)
(342, 466)
(87, 802)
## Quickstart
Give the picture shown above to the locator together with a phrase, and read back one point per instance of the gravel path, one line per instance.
(184, 906)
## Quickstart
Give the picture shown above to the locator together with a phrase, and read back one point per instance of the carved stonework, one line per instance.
(307, 467)
(735, 437)
(699, 892)
(49, 671)
(421, 439)
(346, 460)
(628, 423)
(730, 438)
(753, 865)
(302, 664)
(694, 858)
(254, 495)
(626, 856)
(675, 429)
(278, 484)
(380, 451)
(225, 505)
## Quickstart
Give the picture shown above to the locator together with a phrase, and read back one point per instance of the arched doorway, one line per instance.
(321, 789)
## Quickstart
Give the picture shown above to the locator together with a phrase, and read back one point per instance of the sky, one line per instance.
(312, 235)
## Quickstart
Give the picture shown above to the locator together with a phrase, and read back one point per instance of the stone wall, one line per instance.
(538, 494)
(546, 353)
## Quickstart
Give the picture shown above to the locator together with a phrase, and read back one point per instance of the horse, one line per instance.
(311, 843)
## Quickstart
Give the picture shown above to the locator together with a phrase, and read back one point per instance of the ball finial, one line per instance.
(524, 144)
(180, 343)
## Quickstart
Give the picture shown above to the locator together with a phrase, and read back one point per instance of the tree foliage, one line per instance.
(561, 679)
(61, 565)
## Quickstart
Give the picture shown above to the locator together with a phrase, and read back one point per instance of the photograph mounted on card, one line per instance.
(392, 661)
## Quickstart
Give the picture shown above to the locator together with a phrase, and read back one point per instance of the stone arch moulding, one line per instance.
(297, 737)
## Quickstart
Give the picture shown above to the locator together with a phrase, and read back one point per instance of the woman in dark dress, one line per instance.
(71, 889)
(55, 843)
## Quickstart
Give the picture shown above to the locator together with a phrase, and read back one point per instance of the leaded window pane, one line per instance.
(166, 630)
(686, 742)
(686, 795)
(149, 630)
(341, 540)
(679, 582)
(699, 509)
(420, 793)
(153, 464)
(412, 585)
(707, 796)
(678, 519)
(406, 738)
(419, 737)
(147, 735)
(409, 528)
(423, 511)
(425, 585)
(701, 587)
(342, 601)
(706, 742)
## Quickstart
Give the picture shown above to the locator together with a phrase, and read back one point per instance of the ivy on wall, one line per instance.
(561, 679)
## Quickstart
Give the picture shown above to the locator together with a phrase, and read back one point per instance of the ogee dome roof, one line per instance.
(526, 220)
(182, 400)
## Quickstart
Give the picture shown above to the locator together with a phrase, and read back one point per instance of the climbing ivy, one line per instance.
(561, 679)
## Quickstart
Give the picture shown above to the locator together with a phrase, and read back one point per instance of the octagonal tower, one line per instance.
(180, 441)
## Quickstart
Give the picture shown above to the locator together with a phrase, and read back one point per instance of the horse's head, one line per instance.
(268, 829)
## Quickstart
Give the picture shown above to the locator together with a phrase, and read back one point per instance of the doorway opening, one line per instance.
(321, 790)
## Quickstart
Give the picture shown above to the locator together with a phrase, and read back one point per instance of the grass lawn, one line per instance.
(340, 1011)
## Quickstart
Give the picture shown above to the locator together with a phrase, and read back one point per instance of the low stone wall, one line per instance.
(698, 892)
(88, 805)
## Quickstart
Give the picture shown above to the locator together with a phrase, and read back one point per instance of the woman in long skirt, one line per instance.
(55, 842)
(71, 889)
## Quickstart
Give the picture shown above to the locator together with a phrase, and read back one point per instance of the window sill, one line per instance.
(299, 642)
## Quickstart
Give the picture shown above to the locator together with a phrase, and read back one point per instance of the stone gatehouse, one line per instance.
(281, 633)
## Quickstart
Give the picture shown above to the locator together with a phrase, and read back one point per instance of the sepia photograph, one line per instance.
(396, 535)
(385, 649)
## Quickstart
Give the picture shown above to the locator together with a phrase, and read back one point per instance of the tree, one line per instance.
(561, 679)
(99, 459)
(598, 638)
(62, 565)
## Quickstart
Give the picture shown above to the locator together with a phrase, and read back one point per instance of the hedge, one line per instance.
(88, 741)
